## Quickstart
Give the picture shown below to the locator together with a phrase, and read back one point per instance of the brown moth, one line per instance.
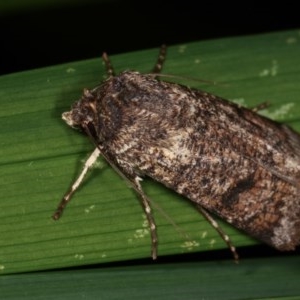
(227, 159)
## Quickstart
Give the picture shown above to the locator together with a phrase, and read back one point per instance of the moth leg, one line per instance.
(134, 181)
(65, 200)
(108, 65)
(160, 60)
(260, 106)
(147, 209)
(223, 235)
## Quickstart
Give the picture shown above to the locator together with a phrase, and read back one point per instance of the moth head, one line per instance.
(83, 113)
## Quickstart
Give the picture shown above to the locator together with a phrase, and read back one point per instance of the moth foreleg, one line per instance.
(65, 200)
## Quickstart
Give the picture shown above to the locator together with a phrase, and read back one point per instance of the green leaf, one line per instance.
(40, 155)
(270, 278)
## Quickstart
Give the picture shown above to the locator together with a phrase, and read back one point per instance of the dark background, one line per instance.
(40, 36)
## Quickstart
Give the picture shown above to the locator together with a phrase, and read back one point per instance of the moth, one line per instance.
(228, 160)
